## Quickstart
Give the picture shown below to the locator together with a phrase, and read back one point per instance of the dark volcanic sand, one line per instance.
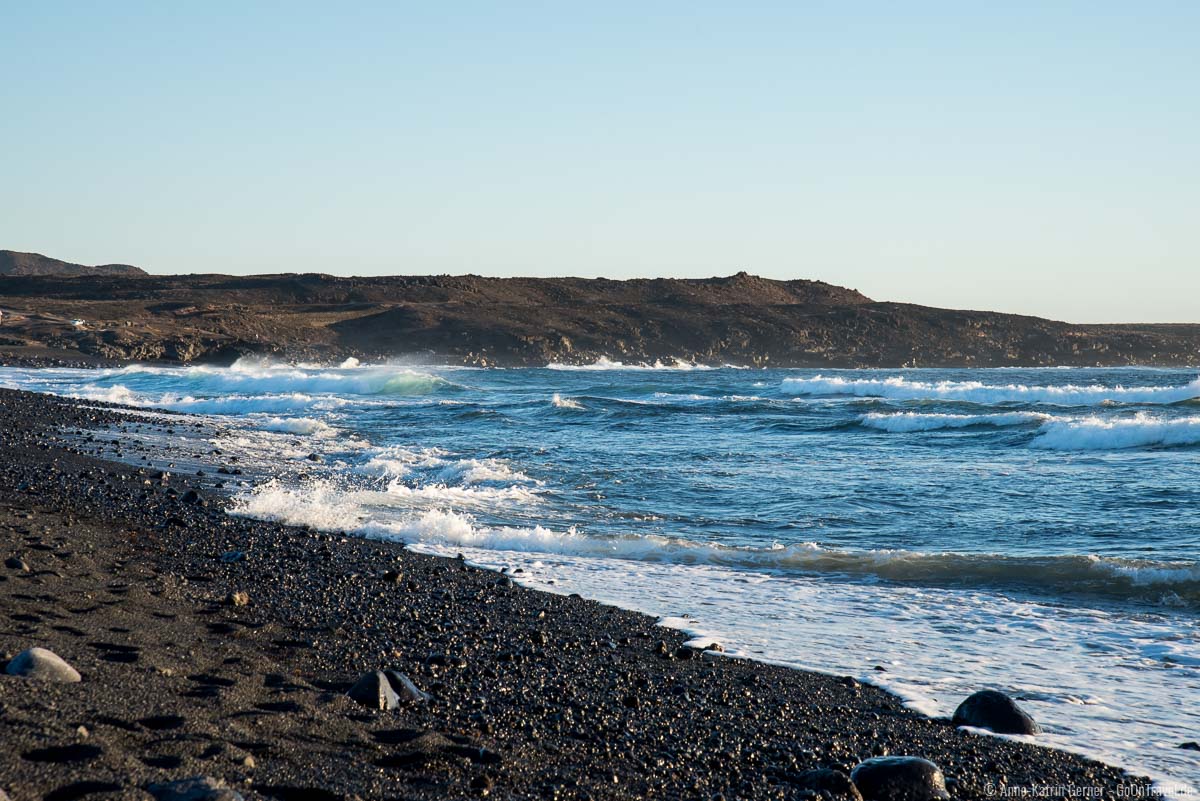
(566, 698)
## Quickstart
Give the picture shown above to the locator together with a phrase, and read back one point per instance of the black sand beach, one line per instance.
(137, 584)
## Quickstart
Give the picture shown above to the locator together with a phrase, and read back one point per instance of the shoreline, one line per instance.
(567, 697)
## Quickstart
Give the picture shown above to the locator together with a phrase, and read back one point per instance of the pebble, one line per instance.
(16, 563)
(238, 598)
(42, 665)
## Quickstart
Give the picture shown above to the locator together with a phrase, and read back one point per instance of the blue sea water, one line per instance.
(932, 531)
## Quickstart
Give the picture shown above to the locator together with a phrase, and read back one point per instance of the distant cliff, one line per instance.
(23, 264)
(740, 319)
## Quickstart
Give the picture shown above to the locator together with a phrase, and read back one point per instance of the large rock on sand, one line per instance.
(385, 689)
(43, 665)
(899, 778)
(995, 711)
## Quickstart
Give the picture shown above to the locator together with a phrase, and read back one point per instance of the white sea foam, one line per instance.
(399, 461)
(900, 388)
(558, 401)
(1105, 433)
(297, 425)
(905, 422)
(325, 505)
(114, 394)
(480, 471)
(319, 504)
(232, 404)
(439, 466)
(604, 363)
(1057, 433)
(443, 494)
(684, 396)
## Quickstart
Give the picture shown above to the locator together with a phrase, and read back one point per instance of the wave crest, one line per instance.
(559, 402)
(605, 363)
(900, 388)
(256, 377)
(1098, 433)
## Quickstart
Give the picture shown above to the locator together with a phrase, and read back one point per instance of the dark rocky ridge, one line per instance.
(15, 263)
(741, 319)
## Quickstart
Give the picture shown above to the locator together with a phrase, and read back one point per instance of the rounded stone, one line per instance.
(43, 665)
(995, 711)
(899, 778)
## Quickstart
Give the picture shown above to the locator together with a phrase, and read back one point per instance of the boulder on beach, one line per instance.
(899, 778)
(995, 711)
(43, 665)
(385, 689)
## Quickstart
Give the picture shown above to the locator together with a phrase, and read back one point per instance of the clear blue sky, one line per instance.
(1038, 157)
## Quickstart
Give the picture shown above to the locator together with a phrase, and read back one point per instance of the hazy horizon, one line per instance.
(1040, 161)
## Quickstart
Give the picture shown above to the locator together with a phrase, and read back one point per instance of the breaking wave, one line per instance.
(257, 378)
(225, 405)
(899, 388)
(1099, 433)
(325, 505)
(435, 465)
(297, 425)
(559, 402)
(604, 363)
(1055, 433)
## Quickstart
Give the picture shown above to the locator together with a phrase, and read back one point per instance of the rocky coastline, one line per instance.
(740, 319)
(222, 657)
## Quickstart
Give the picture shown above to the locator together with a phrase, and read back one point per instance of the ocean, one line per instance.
(934, 532)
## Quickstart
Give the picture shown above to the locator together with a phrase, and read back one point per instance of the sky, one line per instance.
(1040, 158)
